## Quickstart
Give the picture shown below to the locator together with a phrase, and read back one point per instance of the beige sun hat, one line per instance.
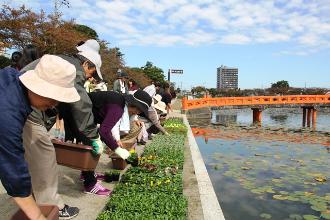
(90, 44)
(158, 104)
(53, 77)
(157, 97)
(95, 58)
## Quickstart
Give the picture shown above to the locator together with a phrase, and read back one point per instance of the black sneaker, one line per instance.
(68, 212)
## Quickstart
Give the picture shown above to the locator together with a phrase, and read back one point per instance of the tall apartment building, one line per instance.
(227, 77)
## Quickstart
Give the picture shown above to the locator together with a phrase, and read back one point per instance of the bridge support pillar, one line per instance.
(309, 117)
(314, 114)
(257, 115)
(304, 117)
(309, 111)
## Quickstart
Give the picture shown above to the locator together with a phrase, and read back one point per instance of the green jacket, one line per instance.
(116, 87)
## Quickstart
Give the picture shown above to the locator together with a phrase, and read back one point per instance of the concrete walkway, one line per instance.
(70, 188)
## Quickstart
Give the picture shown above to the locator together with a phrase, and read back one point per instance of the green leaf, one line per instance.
(295, 217)
(265, 216)
(310, 217)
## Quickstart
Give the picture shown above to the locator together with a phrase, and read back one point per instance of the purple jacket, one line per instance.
(108, 108)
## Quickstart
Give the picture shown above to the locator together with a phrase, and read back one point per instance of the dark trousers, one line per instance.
(89, 178)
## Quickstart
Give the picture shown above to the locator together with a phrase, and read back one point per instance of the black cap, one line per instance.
(141, 100)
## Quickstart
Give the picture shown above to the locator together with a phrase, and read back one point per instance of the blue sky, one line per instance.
(267, 40)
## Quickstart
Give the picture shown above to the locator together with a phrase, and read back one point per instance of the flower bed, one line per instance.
(175, 125)
(154, 189)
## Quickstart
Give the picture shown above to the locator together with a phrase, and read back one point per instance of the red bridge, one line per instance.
(258, 103)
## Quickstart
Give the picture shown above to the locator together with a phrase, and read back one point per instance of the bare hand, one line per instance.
(138, 123)
(120, 144)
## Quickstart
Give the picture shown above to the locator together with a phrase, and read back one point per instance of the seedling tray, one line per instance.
(76, 156)
(49, 211)
(117, 162)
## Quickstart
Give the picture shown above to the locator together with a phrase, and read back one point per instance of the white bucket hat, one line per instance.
(158, 104)
(90, 44)
(53, 77)
(95, 58)
(158, 98)
(161, 106)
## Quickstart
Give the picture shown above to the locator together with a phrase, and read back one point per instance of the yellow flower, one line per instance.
(132, 151)
(159, 182)
(152, 183)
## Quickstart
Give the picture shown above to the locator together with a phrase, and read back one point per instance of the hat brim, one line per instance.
(98, 70)
(83, 47)
(142, 107)
(160, 108)
(45, 89)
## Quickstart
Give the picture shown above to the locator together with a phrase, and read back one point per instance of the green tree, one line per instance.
(280, 84)
(91, 33)
(280, 87)
(153, 72)
(4, 61)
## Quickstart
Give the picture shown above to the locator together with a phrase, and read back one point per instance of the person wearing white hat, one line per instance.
(151, 121)
(20, 92)
(79, 121)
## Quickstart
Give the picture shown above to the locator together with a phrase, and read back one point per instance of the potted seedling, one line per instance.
(112, 175)
(133, 159)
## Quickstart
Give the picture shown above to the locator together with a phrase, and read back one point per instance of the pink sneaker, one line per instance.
(99, 177)
(98, 190)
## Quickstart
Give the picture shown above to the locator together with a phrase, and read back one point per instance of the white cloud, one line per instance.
(303, 24)
(235, 39)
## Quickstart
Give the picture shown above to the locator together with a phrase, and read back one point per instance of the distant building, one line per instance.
(227, 77)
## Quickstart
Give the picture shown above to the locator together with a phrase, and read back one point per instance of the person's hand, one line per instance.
(123, 153)
(98, 146)
(120, 144)
(138, 123)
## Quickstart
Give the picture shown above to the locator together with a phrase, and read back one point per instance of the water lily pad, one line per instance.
(265, 216)
(276, 180)
(292, 198)
(296, 217)
(320, 207)
(257, 191)
(320, 179)
(246, 168)
(280, 197)
(310, 217)
(270, 190)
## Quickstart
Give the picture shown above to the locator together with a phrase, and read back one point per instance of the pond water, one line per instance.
(272, 117)
(261, 174)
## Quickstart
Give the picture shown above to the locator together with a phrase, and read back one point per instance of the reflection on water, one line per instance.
(271, 117)
(224, 119)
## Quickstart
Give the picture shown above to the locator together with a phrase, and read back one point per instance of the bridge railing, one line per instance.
(254, 100)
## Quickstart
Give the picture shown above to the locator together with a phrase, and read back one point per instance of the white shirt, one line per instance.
(151, 90)
(122, 87)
